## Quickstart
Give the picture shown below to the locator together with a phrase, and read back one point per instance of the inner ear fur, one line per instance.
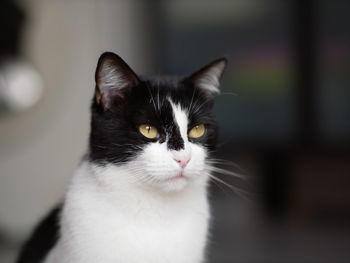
(114, 78)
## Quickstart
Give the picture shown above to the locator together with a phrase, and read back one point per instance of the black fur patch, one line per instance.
(42, 240)
(114, 136)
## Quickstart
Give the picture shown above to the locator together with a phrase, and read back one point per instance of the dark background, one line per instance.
(284, 112)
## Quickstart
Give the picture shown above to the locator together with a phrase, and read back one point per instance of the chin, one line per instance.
(174, 184)
(180, 182)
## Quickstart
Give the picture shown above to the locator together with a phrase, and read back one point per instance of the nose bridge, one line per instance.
(175, 141)
(182, 154)
(177, 131)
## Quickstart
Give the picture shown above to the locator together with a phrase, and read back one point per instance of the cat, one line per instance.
(140, 193)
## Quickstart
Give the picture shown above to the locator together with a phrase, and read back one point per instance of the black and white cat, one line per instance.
(140, 194)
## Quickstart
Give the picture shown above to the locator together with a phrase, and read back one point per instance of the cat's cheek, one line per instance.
(156, 162)
(152, 155)
(197, 165)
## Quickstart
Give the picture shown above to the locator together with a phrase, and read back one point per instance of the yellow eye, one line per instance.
(148, 131)
(197, 131)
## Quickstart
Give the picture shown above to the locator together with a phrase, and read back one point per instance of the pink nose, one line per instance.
(183, 161)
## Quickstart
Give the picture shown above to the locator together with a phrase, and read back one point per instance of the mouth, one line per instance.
(179, 176)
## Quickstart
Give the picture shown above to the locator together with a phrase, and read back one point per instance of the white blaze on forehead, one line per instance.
(181, 119)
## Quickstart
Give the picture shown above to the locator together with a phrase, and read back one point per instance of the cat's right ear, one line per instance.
(114, 78)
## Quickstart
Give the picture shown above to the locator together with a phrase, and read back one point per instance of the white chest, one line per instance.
(133, 228)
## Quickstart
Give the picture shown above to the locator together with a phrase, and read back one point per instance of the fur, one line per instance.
(135, 199)
(118, 222)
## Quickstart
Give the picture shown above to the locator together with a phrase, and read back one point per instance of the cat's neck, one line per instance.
(117, 213)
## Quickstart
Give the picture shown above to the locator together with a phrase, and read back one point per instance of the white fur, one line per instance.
(181, 119)
(139, 211)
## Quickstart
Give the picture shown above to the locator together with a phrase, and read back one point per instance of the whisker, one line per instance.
(158, 83)
(154, 104)
(190, 107)
(226, 172)
(197, 106)
(241, 193)
(218, 185)
(225, 162)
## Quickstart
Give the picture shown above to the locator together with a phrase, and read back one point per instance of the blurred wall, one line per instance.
(40, 148)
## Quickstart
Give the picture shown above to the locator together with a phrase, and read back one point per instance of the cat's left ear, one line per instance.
(114, 79)
(208, 77)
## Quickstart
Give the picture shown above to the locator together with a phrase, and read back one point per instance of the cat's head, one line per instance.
(160, 129)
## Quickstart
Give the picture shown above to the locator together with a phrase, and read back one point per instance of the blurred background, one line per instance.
(284, 111)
